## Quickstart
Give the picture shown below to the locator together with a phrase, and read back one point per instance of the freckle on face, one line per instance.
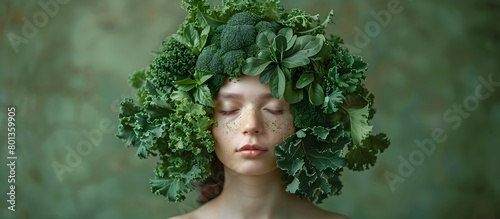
(233, 126)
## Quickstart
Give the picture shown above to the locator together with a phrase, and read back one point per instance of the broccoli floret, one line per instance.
(232, 62)
(229, 46)
(252, 50)
(265, 25)
(209, 60)
(172, 62)
(242, 18)
(307, 115)
(237, 37)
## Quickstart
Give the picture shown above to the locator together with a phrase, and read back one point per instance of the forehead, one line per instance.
(244, 84)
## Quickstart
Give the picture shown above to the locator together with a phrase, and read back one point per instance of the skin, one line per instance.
(246, 113)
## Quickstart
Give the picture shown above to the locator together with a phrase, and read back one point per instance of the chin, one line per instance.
(250, 169)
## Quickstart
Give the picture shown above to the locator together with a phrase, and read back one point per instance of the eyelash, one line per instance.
(226, 113)
(274, 112)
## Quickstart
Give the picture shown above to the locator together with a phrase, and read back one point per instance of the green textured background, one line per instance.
(68, 77)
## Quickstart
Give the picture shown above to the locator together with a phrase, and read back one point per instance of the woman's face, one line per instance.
(251, 122)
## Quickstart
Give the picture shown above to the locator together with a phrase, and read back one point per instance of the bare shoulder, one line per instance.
(313, 211)
(330, 215)
(201, 212)
(184, 216)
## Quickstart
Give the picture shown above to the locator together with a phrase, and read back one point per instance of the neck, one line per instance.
(261, 196)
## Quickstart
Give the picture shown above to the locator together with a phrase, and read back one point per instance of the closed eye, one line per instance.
(228, 112)
(275, 112)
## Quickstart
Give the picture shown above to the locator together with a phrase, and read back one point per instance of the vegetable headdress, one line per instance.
(289, 51)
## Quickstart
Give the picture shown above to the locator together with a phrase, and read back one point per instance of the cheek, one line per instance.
(225, 130)
(232, 125)
(281, 127)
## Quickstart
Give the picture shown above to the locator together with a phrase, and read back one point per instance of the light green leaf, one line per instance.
(301, 134)
(185, 84)
(316, 94)
(202, 95)
(182, 40)
(201, 76)
(293, 186)
(192, 35)
(359, 124)
(179, 95)
(203, 37)
(332, 101)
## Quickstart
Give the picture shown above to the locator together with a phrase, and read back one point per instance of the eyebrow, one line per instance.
(240, 96)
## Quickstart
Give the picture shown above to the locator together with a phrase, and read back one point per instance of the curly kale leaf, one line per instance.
(359, 124)
(177, 131)
(268, 9)
(305, 23)
(310, 160)
(174, 176)
(186, 157)
(361, 158)
(346, 71)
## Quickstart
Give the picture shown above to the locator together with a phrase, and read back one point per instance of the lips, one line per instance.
(252, 147)
(252, 151)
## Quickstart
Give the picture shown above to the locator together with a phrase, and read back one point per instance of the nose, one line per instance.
(251, 122)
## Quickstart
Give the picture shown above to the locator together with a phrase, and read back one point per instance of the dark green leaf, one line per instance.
(277, 84)
(292, 95)
(359, 159)
(265, 39)
(326, 159)
(280, 43)
(377, 143)
(267, 73)
(255, 66)
(304, 80)
(296, 60)
(286, 32)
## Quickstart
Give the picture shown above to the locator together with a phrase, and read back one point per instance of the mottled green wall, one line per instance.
(66, 77)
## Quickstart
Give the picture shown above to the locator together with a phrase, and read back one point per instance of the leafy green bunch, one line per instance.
(288, 50)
